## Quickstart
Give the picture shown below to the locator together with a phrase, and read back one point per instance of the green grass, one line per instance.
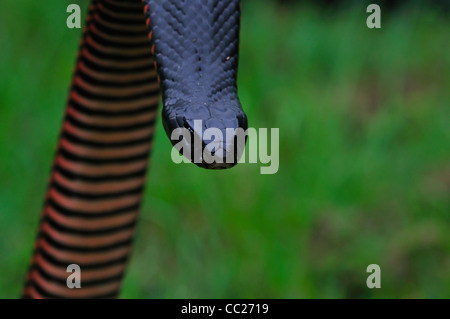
(364, 160)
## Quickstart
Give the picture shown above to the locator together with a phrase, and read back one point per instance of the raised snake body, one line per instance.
(98, 175)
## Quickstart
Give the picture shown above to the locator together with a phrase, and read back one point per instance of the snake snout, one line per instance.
(207, 140)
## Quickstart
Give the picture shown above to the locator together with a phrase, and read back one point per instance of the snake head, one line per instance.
(210, 135)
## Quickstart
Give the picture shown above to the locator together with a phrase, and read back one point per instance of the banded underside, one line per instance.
(100, 165)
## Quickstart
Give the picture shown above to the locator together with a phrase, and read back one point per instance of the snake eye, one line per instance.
(187, 126)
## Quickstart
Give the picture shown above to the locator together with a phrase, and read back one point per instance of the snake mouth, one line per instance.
(211, 143)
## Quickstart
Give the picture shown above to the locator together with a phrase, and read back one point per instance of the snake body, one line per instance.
(196, 45)
(99, 169)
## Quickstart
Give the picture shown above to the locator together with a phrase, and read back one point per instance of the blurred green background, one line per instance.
(364, 159)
